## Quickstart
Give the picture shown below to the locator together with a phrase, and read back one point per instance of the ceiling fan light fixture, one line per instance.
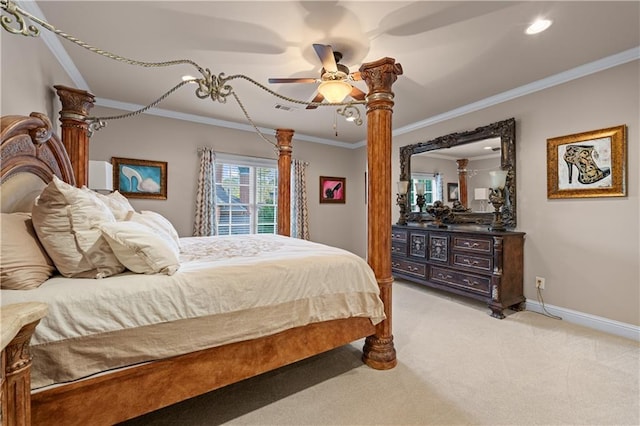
(334, 91)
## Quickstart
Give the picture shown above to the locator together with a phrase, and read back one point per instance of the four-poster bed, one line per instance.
(28, 149)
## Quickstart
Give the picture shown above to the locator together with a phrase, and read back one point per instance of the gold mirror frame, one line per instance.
(506, 131)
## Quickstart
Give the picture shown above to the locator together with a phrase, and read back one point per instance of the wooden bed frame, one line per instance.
(27, 146)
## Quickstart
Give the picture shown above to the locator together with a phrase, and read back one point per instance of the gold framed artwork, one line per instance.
(140, 178)
(589, 164)
(333, 190)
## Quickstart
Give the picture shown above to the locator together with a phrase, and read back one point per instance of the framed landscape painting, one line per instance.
(140, 178)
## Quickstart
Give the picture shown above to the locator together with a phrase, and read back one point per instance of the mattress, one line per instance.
(227, 289)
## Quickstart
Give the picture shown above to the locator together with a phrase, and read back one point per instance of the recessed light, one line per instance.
(538, 26)
(487, 147)
(188, 77)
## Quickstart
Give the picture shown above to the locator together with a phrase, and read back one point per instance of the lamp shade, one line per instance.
(498, 178)
(334, 91)
(420, 188)
(403, 187)
(481, 194)
(100, 176)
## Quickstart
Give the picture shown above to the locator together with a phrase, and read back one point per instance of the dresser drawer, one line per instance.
(409, 268)
(476, 245)
(418, 245)
(480, 263)
(461, 280)
(399, 235)
(398, 248)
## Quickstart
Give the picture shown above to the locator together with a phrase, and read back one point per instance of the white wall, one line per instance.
(586, 248)
(175, 141)
(28, 73)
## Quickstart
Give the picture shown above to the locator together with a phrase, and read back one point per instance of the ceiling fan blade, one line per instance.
(318, 98)
(356, 76)
(325, 53)
(357, 93)
(293, 80)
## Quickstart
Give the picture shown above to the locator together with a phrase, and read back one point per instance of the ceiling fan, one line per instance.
(333, 78)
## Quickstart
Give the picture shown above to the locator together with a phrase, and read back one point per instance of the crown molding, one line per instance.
(52, 41)
(56, 48)
(621, 58)
(126, 106)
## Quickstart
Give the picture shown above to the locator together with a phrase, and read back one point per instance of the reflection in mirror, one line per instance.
(455, 170)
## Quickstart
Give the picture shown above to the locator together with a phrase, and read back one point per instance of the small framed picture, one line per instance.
(333, 190)
(452, 192)
(589, 164)
(140, 178)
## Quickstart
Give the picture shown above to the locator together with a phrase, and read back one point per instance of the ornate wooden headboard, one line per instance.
(31, 154)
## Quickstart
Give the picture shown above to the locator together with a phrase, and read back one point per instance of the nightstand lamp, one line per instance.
(100, 176)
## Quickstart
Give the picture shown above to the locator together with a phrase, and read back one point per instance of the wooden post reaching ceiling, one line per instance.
(283, 137)
(76, 105)
(379, 351)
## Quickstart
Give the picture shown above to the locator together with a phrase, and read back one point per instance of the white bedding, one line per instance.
(287, 283)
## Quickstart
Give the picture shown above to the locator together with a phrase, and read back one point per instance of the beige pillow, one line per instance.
(141, 249)
(157, 222)
(117, 203)
(24, 264)
(67, 221)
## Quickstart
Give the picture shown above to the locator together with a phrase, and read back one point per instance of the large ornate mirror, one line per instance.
(461, 175)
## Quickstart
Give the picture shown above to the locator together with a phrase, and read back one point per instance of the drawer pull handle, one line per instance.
(444, 277)
(395, 265)
(470, 282)
(468, 262)
(412, 269)
(471, 245)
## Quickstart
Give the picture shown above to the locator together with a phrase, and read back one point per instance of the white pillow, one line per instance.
(24, 264)
(141, 249)
(157, 222)
(117, 203)
(67, 221)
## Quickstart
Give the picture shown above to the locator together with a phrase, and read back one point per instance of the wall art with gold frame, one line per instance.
(135, 178)
(588, 164)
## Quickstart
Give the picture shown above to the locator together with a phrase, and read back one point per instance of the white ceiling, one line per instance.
(456, 56)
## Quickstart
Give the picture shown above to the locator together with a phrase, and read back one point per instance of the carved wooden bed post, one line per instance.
(18, 323)
(75, 108)
(284, 136)
(379, 351)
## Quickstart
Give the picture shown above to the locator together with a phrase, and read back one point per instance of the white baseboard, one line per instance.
(597, 323)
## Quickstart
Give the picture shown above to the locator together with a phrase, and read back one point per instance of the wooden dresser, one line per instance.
(466, 260)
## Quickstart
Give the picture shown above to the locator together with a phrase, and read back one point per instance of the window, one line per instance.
(246, 195)
(432, 183)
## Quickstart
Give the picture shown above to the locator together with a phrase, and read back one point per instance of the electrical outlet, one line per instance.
(540, 283)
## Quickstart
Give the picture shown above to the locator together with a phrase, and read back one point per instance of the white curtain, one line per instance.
(439, 191)
(205, 220)
(299, 209)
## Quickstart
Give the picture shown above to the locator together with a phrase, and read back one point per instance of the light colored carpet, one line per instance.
(456, 366)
